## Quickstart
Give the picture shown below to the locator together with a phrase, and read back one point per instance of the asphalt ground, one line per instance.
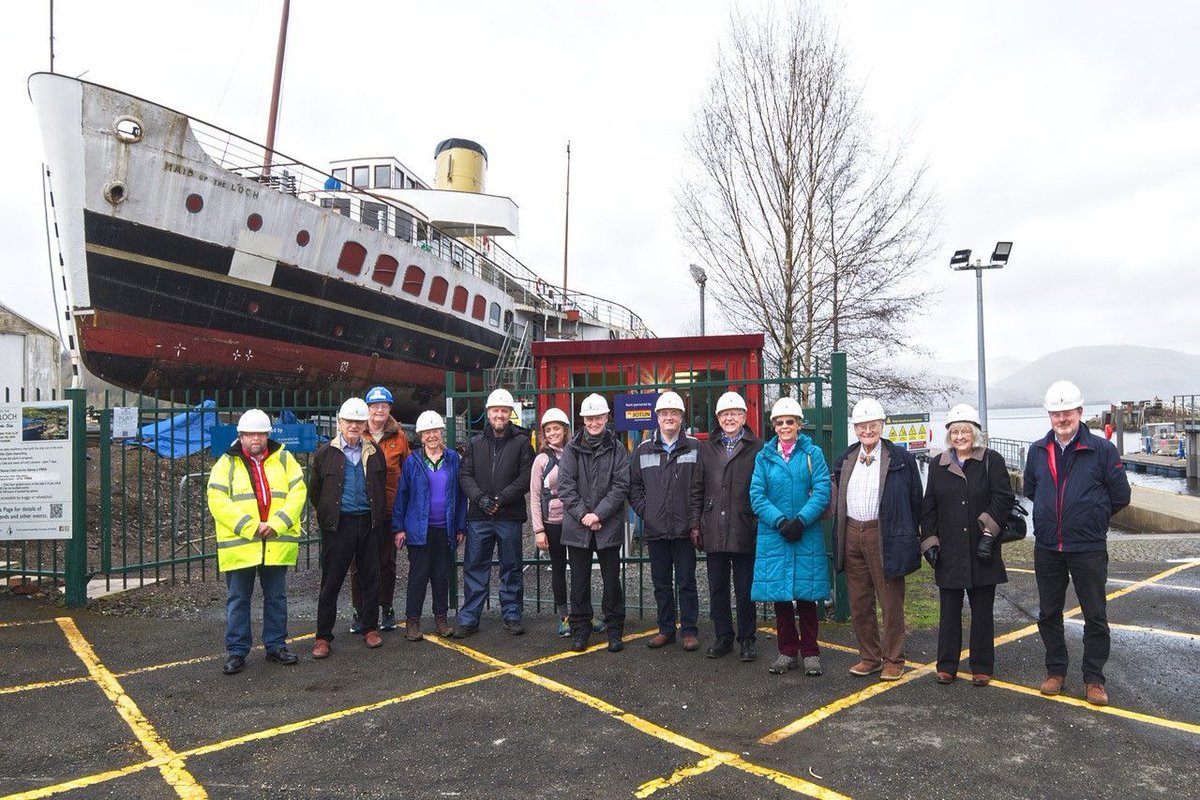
(96, 705)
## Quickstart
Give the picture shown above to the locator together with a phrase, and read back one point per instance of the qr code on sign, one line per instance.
(56, 510)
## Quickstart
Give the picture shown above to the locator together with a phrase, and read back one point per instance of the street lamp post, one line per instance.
(961, 260)
(701, 278)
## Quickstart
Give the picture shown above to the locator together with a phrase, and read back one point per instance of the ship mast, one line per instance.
(275, 87)
(567, 222)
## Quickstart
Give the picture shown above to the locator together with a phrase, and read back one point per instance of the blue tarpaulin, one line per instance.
(182, 434)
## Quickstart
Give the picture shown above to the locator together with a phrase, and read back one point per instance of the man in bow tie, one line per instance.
(878, 495)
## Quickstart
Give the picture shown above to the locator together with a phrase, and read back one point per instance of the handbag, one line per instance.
(1013, 528)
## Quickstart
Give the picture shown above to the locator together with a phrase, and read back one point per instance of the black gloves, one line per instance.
(931, 555)
(983, 551)
(792, 529)
(489, 505)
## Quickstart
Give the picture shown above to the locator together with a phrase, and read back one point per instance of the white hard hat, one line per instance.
(354, 409)
(867, 410)
(254, 421)
(429, 421)
(669, 400)
(1063, 396)
(730, 400)
(500, 397)
(556, 415)
(593, 405)
(787, 407)
(963, 413)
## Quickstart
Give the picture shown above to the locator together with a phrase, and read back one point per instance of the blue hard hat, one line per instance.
(379, 394)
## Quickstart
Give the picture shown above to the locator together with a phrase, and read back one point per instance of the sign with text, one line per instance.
(300, 437)
(125, 422)
(635, 412)
(35, 471)
(911, 431)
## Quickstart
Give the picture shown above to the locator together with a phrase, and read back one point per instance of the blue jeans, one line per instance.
(483, 536)
(238, 637)
(677, 557)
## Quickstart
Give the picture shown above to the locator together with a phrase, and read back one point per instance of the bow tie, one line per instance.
(866, 459)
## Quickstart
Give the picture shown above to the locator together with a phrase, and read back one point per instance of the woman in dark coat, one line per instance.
(967, 498)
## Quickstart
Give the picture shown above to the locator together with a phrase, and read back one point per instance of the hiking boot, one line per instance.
(615, 643)
(598, 625)
(720, 649)
(412, 630)
(514, 627)
(356, 625)
(580, 642)
(1053, 684)
(564, 627)
(660, 640)
(443, 627)
(782, 664)
(463, 631)
(320, 649)
(812, 665)
(749, 652)
(866, 668)
(388, 623)
(372, 639)
(1096, 694)
(891, 672)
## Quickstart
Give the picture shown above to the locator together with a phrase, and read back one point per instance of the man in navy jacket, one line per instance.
(1077, 482)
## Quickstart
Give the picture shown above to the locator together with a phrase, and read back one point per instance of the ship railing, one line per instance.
(490, 263)
(1013, 451)
(1186, 409)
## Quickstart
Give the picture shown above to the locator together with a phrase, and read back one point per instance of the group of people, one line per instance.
(753, 506)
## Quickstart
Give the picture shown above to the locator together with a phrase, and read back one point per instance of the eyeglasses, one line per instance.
(784, 423)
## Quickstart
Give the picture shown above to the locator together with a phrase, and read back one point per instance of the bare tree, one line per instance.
(813, 234)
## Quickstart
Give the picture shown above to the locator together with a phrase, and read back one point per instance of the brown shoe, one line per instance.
(372, 639)
(660, 640)
(891, 672)
(866, 668)
(443, 627)
(1053, 684)
(945, 677)
(412, 630)
(1096, 695)
(691, 643)
(320, 649)
(979, 679)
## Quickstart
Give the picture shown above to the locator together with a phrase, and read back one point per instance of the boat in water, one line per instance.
(193, 258)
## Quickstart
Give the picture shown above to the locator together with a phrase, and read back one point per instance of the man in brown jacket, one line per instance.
(723, 524)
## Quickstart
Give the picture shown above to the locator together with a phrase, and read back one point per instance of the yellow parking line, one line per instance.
(173, 769)
(705, 765)
(650, 728)
(19, 623)
(813, 717)
(42, 685)
(1144, 629)
(1150, 719)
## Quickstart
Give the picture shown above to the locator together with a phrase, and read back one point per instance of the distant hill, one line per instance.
(1105, 374)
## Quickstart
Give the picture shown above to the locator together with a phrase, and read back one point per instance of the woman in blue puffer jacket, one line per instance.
(789, 491)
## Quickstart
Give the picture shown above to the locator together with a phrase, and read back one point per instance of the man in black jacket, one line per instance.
(660, 475)
(724, 526)
(495, 479)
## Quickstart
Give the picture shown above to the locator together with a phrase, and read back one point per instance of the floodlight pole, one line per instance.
(983, 418)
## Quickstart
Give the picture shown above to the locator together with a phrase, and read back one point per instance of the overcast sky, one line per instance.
(1070, 128)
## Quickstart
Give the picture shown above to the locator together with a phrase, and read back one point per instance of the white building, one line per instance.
(30, 359)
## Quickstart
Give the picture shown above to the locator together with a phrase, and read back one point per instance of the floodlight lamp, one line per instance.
(1000, 254)
(698, 274)
(961, 258)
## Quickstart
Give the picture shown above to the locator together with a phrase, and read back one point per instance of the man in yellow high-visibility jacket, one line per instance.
(256, 494)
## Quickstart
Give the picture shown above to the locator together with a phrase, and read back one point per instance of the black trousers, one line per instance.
(612, 602)
(983, 629)
(741, 565)
(1089, 571)
(558, 568)
(353, 540)
(429, 565)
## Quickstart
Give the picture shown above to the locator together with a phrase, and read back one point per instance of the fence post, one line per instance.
(76, 566)
(839, 423)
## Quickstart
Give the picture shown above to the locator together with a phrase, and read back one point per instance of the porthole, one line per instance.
(338, 330)
(302, 238)
(129, 129)
(194, 203)
(252, 307)
(254, 222)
